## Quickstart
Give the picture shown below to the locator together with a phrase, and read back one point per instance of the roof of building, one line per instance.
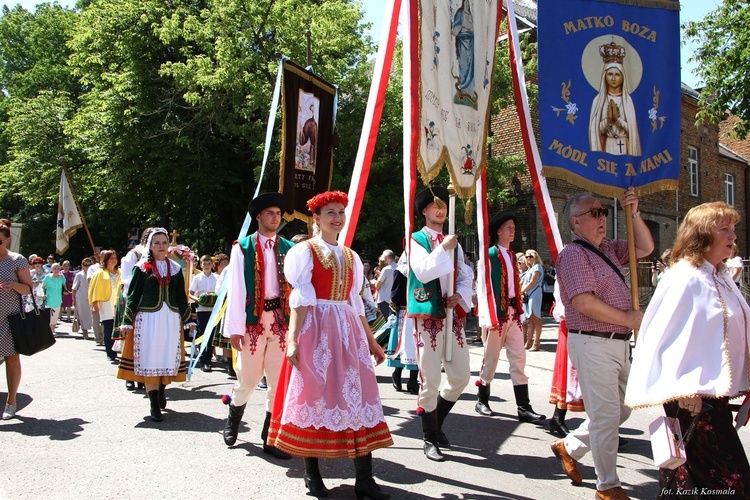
(725, 151)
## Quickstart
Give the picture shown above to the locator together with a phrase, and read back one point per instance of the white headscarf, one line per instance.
(154, 231)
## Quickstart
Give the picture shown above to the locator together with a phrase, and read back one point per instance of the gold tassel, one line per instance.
(439, 204)
(469, 213)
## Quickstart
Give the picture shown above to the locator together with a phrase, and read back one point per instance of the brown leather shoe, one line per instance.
(616, 493)
(568, 463)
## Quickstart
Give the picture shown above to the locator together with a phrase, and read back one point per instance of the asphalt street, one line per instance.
(80, 435)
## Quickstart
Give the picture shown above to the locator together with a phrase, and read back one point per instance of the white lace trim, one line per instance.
(322, 356)
(334, 419)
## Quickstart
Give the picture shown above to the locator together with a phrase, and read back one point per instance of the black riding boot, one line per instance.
(271, 450)
(313, 480)
(162, 396)
(153, 397)
(233, 424)
(430, 430)
(557, 424)
(483, 400)
(412, 386)
(443, 409)
(365, 486)
(396, 378)
(525, 412)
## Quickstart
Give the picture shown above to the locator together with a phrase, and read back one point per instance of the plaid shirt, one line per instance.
(579, 270)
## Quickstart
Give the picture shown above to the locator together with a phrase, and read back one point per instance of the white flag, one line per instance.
(456, 59)
(68, 218)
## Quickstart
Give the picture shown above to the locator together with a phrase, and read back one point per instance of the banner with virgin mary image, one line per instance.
(457, 40)
(610, 93)
(307, 138)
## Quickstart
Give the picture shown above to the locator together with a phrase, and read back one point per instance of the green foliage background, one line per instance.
(158, 110)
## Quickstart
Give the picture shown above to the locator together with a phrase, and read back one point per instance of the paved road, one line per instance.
(79, 434)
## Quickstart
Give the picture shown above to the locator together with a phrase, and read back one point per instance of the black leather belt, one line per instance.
(272, 304)
(605, 335)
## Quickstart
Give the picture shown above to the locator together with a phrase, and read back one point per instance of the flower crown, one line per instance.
(323, 199)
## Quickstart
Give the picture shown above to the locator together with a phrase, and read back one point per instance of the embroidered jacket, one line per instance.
(499, 277)
(254, 266)
(146, 295)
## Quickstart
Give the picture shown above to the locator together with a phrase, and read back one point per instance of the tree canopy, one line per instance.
(723, 63)
(158, 110)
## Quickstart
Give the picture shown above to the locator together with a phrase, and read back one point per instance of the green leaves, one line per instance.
(723, 58)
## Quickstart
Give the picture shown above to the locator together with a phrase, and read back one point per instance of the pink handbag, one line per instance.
(667, 444)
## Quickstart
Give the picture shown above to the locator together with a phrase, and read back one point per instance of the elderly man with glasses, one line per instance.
(600, 317)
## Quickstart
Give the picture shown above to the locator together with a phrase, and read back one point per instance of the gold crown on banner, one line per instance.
(611, 52)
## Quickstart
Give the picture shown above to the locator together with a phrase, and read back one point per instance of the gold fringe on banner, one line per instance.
(604, 189)
(651, 4)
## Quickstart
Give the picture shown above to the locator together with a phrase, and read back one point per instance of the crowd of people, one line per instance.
(308, 315)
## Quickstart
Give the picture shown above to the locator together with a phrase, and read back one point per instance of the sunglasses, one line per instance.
(529, 256)
(595, 212)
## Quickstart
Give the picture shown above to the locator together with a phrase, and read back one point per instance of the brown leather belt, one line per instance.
(605, 335)
(272, 304)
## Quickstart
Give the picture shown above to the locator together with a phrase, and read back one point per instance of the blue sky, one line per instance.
(691, 10)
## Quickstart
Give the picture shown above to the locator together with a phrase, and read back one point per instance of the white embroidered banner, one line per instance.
(68, 218)
(457, 53)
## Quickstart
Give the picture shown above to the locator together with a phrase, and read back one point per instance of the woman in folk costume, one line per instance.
(156, 312)
(402, 349)
(127, 264)
(693, 356)
(329, 405)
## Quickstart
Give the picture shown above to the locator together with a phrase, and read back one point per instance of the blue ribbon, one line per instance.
(214, 318)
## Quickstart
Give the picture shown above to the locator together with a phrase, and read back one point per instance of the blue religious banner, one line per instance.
(609, 93)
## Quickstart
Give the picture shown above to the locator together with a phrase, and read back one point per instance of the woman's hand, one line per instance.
(292, 353)
(693, 405)
(377, 351)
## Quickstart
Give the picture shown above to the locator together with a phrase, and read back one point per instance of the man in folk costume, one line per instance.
(438, 345)
(504, 327)
(258, 312)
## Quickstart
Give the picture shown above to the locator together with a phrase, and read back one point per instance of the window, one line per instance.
(693, 165)
(729, 189)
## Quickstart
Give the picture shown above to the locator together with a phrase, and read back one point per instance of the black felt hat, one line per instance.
(498, 220)
(262, 202)
(427, 196)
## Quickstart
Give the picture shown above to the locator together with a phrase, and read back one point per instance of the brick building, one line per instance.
(709, 171)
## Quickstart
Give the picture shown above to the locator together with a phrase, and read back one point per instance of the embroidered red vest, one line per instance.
(328, 279)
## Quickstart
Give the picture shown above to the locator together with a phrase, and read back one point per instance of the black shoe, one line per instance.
(141, 385)
(432, 452)
(130, 385)
(313, 479)
(206, 367)
(315, 486)
(276, 453)
(396, 379)
(232, 428)
(527, 414)
(483, 401)
(162, 396)
(263, 384)
(368, 488)
(483, 409)
(231, 372)
(153, 397)
(412, 385)
(558, 428)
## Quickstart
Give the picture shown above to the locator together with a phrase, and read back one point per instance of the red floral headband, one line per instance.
(323, 199)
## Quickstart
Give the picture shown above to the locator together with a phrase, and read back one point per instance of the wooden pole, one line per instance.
(451, 288)
(633, 262)
(80, 212)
